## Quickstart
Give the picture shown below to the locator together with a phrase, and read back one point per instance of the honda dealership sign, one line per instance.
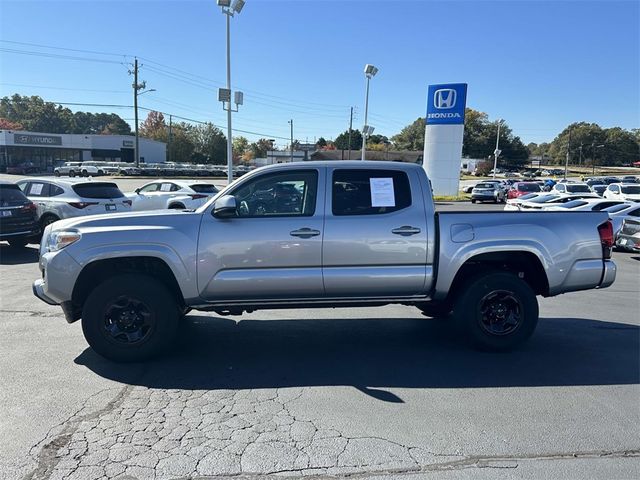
(444, 130)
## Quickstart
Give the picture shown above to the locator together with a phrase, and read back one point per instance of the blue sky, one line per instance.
(539, 65)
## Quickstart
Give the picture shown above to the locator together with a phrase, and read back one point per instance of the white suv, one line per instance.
(84, 169)
(629, 192)
(173, 194)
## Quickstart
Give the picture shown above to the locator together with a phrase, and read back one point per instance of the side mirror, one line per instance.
(137, 190)
(225, 207)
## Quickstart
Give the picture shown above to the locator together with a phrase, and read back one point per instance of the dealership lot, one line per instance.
(372, 391)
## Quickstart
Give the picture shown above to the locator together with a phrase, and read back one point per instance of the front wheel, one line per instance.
(130, 318)
(473, 200)
(497, 311)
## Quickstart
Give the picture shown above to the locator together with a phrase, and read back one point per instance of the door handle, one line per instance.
(406, 230)
(305, 233)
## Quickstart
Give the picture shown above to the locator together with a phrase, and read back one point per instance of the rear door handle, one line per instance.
(305, 233)
(406, 231)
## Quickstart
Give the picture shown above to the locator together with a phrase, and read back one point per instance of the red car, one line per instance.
(522, 188)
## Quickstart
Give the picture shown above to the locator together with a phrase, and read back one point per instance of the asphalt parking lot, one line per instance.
(367, 392)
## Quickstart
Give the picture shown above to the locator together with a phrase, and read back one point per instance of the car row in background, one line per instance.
(29, 205)
(94, 168)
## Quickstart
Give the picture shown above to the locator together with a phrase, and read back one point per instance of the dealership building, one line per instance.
(48, 150)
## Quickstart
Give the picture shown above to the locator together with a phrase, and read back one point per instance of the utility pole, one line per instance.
(566, 164)
(580, 157)
(135, 107)
(170, 134)
(350, 127)
(291, 123)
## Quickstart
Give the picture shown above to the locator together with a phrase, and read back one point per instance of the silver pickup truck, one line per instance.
(317, 234)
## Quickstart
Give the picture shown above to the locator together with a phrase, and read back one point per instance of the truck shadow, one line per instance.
(18, 256)
(371, 354)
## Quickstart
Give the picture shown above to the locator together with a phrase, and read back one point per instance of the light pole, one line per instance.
(136, 93)
(593, 147)
(224, 94)
(370, 72)
(290, 122)
(497, 151)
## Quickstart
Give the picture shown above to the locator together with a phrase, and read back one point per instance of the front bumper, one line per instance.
(59, 274)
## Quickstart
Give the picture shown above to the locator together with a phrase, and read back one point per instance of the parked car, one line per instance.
(522, 188)
(544, 201)
(583, 205)
(629, 179)
(623, 191)
(620, 212)
(172, 194)
(366, 233)
(573, 189)
(57, 199)
(24, 168)
(488, 192)
(128, 169)
(629, 237)
(71, 169)
(18, 216)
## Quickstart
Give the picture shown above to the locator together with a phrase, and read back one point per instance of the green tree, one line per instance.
(342, 141)
(410, 137)
(209, 144)
(321, 143)
(182, 145)
(577, 133)
(36, 115)
(260, 148)
(240, 146)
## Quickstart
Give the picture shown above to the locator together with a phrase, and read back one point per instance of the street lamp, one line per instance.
(370, 72)
(593, 167)
(224, 94)
(497, 151)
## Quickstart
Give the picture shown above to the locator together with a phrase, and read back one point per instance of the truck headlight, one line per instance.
(58, 240)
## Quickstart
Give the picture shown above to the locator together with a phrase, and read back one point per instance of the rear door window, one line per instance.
(369, 192)
(98, 190)
(38, 189)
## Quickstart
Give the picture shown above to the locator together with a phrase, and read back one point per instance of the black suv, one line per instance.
(18, 216)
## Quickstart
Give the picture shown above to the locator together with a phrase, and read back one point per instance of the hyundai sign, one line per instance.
(446, 104)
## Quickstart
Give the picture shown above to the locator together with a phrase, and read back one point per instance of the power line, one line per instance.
(55, 55)
(64, 49)
(62, 88)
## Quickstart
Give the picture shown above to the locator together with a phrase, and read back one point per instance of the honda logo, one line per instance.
(444, 98)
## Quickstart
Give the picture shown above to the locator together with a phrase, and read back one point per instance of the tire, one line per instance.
(56, 173)
(473, 200)
(176, 206)
(84, 173)
(47, 219)
(114, 333)
(496, 311)
(100, 172)
(72, 173)
(18, 242)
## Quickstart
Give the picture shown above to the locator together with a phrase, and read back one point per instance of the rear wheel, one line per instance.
(48, 219)
(130, 317)
(176, 206)
(72, 173)
(497, 311)
(473, 200)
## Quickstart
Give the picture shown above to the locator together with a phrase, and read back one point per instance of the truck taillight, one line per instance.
(29, 207)
(605, 230)
(198, 196)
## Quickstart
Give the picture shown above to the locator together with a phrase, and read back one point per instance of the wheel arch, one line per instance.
(525, 265)
(98, 271)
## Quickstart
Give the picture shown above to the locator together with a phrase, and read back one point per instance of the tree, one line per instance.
(260, 148)
(209, 143)
(240, 146)
(182, 146)
(321, 143)
(155, 127)
(9, 125)
(342, 141)
(410, 137)
(377, 139)
(36, 115)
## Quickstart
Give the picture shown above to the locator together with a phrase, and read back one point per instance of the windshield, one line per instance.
(580, 188)
(528, 187)
(574, 204)
(544, 198)
(631, 189)
(617, 208)
(11, 195)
